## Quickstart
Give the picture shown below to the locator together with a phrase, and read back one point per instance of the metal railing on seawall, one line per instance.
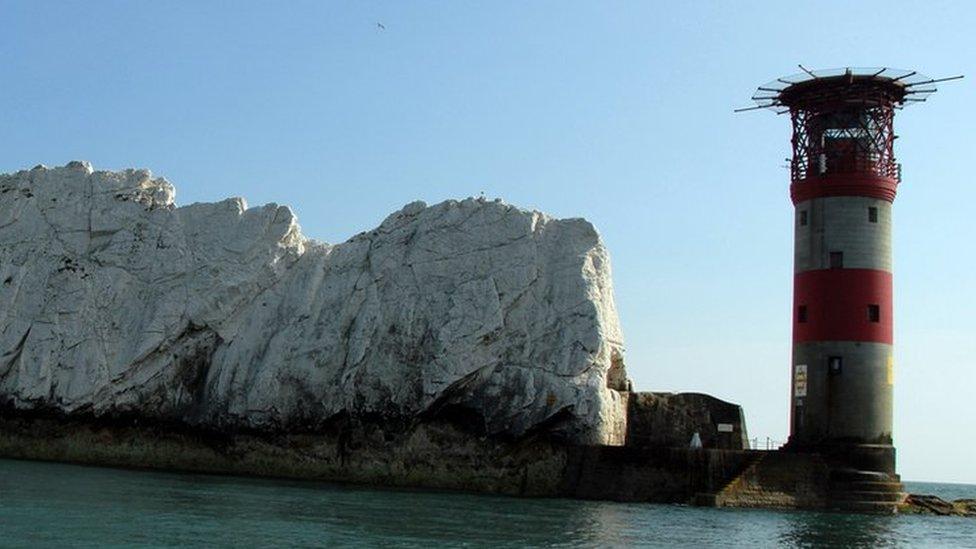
(768, 443)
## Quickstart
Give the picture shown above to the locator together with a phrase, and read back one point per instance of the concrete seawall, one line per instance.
(435, 454)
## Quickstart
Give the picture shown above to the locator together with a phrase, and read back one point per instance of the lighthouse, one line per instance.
(844, 179)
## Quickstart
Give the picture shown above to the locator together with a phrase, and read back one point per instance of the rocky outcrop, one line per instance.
(115, 302)
(919, 504)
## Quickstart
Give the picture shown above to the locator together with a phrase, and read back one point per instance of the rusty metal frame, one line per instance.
(865, 99)
(872, 138)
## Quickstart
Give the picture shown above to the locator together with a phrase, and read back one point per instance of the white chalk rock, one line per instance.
(113, 301)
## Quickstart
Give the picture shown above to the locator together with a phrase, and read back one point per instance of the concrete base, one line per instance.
(440, 456)
(777, 479)
(426, 455)
(791, 479)
(840, 455)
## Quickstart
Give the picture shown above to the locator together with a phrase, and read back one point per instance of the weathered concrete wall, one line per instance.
(654, 474)
(436, 455)
(671, 419)
(778, 479)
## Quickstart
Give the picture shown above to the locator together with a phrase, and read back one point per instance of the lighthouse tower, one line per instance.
(844, 178)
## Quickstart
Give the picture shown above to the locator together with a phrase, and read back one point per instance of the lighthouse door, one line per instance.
(835, 367)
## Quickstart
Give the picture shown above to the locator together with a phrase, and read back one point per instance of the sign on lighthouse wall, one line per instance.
(800, 380)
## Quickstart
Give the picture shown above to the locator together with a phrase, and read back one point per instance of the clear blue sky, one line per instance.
(620, 112)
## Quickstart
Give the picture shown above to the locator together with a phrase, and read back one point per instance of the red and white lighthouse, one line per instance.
(843, 182)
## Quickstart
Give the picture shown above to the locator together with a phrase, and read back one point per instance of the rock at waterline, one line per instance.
(919, 504)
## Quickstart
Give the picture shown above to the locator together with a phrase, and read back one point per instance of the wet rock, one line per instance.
(934, 505)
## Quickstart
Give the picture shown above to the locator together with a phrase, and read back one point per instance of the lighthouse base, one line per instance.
(863, 457)
(811, 480)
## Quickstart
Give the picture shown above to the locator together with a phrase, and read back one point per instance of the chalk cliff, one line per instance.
(116, 302)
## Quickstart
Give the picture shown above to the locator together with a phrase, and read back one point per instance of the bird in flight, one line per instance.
(380, 26)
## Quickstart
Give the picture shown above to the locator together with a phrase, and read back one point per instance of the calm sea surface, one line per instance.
(56, 505)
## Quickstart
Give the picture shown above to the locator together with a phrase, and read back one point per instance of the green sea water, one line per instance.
(58, 505)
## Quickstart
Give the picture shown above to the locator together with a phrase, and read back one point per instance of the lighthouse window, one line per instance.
(874, 313)
(801, 314)
(834, 365)
(873, 215)
(836, 260)
(803, 218)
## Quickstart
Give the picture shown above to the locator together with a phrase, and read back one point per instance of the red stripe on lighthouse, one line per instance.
(837, 305)
(866, 185)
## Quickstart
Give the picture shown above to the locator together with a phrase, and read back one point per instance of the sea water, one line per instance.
(59, 505)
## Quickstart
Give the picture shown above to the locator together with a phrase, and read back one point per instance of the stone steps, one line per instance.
(716, 499)
(873, 486)
(859, 491)
(779, 479)
(855, 475)
(890, 497)
(866, 507)
(776, 479)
